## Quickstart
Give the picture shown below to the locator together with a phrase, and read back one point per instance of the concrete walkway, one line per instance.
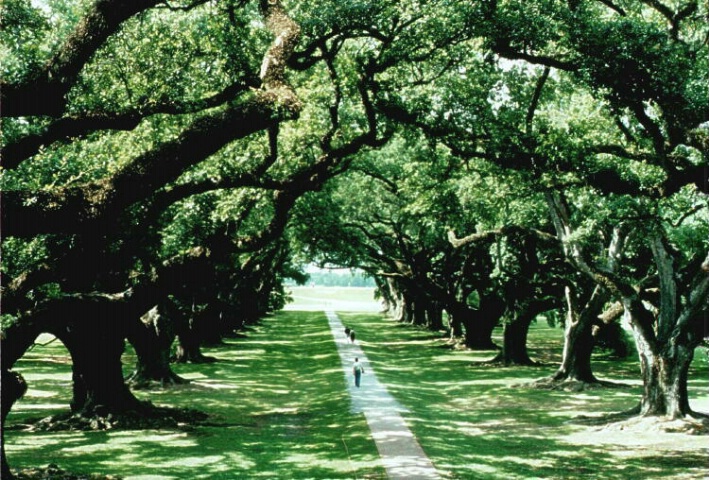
(402, 456)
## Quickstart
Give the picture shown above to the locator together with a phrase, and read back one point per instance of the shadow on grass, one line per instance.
(473, 424)
(279, 409)
(277, 404)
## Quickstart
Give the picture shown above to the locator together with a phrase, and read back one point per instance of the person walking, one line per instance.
(357, 370)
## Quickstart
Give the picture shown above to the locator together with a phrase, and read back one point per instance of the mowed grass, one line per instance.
(279, 409)
(277, 403)
(475, 422)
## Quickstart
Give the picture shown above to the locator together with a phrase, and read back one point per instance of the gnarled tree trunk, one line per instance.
(152, 339)
(96, 341)
(578, 339)
(664, 368)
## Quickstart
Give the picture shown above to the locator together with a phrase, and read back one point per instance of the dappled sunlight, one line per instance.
(473, 424)
(280, 400)
(49, 408)
(212, 385)
(32, 376)
(464, 428)
(342, 466)
(277, 390)
(41, 393)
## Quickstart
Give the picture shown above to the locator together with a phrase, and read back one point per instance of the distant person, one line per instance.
(352, 336)
(347, 332)
(357, 371)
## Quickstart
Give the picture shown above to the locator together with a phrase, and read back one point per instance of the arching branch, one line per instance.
(43, 93)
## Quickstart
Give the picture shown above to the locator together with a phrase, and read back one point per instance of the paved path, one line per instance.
(401, 454)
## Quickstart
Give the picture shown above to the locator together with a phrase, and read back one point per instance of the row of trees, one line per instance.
(579, 159)
(166, 165)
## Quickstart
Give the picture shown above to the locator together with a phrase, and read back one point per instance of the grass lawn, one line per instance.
(475, 424)
(279, 409)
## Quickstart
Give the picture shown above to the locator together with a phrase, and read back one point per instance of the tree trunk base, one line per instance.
(142, 382)
(502, 361)
(150, 417)
(631, 421)
(572, 384)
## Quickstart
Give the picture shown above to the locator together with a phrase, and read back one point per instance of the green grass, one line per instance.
(474, 423)
(279, 410)
(278, 407)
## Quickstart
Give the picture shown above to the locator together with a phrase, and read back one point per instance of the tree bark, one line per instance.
(455, 325)
(419, 312)
(514, 344)
(152, 340)
(95, 341)
(434, 315)
(578, 339)
(479, 324)
(189, 350)
(487, 318)
(664, 366)
(397, 300)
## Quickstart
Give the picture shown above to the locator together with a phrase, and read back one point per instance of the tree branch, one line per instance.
(78, 127)
(43, 93)
(491, 235)
(76, 209)
(535, 98)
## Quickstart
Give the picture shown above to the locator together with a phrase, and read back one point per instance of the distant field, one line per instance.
(341, 299)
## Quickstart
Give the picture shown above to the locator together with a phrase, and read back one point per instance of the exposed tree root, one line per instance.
(631, 421)
(570, 385)
(153, 417)
(141, 382)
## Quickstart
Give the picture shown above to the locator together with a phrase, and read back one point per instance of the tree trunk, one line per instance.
(664, 370)
(419, 312)
(578, 339)
(435, 317)
(152, 340)
(478, 327)
(514, 345)
(96, 347)
(407, 310)
(189, 349)
(665, 382)
(486, 319)
(455, 325)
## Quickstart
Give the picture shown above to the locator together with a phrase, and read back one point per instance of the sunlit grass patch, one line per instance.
(273, 398)
(474, 421)
(279, 410)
